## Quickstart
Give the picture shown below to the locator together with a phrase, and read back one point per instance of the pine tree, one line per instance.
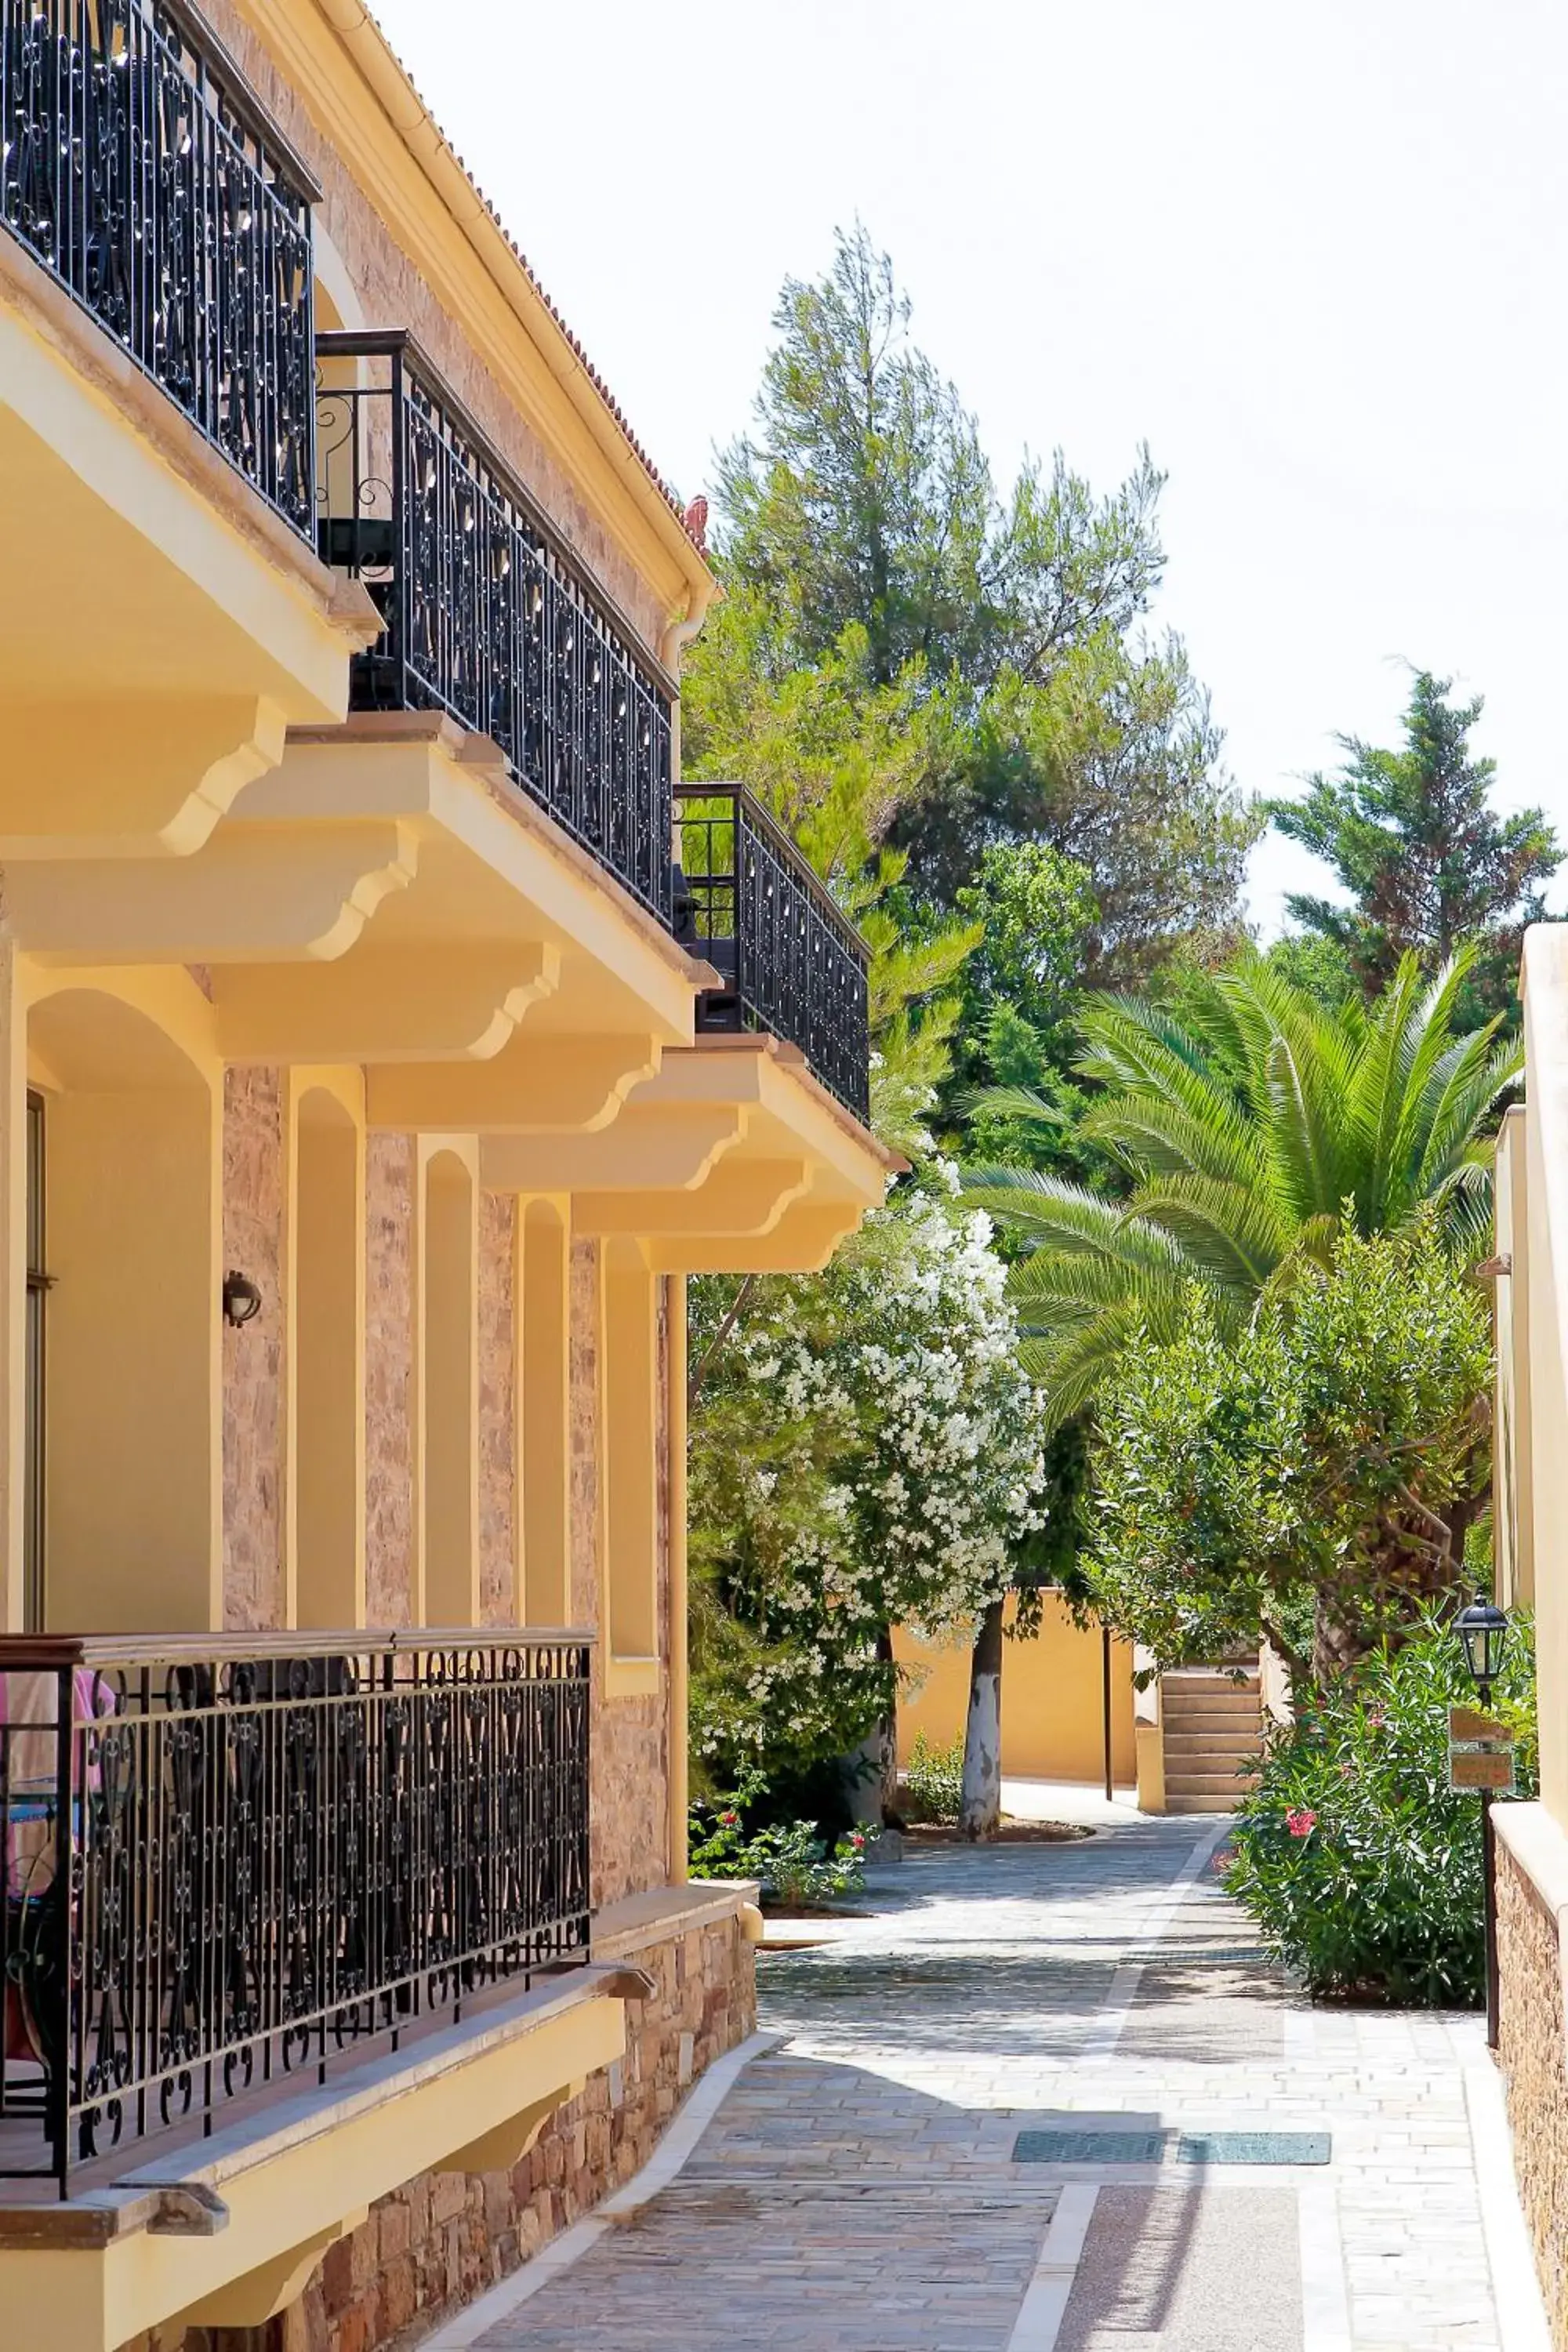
(1413, 836)
(861, 509)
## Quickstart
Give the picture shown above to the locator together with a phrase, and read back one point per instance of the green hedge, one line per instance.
(1358, 1862)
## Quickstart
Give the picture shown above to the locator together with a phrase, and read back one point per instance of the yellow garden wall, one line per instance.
(1052, 1704)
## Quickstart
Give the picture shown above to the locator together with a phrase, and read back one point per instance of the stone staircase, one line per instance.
(1212, 1718)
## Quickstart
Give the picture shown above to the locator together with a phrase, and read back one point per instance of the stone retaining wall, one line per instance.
(1536, 2068)
(441, 2239)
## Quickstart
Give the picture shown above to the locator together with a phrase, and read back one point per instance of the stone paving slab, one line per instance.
(857, 2189)
(713, 2265)
(1159, 2273)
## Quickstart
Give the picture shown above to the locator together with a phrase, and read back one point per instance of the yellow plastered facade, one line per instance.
(324, 1471)
(1053, 1725)
(300, 996)
(1528, 1273)
(1545, 1160)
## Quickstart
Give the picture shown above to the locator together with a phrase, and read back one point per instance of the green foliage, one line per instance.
(1321, 968)
(1310, 1476)
(1020, 992)
(793, 1862)
(1110, 758)
(1361, 1866)
(968, 659)
(835, 756)
(1412, 835)
(864, 498)
(1035, 912)
(865, 1453)
(1245, 1126)
(933, 1783)
(944, 693)
(833, 752)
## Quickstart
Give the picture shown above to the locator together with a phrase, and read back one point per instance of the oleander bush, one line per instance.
(1360, 1864)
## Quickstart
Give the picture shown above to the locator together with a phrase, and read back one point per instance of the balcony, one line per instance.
(488, 615)
(793, 962)
(232, 1868)
(135, 165)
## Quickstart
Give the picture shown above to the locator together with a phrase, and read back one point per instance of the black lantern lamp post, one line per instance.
(1482, 1629)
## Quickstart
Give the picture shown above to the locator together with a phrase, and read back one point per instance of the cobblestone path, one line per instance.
(857, 2189)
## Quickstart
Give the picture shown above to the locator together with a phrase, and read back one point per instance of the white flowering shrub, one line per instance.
(866, 1453)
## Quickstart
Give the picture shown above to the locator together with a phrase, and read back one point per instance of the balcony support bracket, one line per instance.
(271, 2287)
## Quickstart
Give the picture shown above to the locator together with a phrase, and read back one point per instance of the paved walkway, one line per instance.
(858, 2188)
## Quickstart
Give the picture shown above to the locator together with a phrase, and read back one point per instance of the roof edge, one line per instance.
(562, 353)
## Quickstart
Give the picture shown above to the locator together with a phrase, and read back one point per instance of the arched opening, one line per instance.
(544, 1452)
(329, 1381)
(334, 293)
(449, 1389)
(128, 1452)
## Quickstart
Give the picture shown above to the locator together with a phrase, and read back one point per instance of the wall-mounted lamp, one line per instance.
(241, 1298)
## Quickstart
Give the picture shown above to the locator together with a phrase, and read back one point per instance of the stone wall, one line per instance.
(389, 1275)
(628, 1800)
(393, 294)
(448, 2236)
(255, 1180)
(497, 1308)
(630, 1752)
(1533, 2060)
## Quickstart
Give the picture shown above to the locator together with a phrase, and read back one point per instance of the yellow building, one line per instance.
(385, 1037)
(1058, 1704)
(1076, 1708)
(1532, 1535)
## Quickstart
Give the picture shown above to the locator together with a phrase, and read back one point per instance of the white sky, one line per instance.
(1313, 254)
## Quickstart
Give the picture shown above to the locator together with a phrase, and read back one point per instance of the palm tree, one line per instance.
(1247, 1128)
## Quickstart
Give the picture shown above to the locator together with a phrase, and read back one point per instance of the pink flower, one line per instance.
(730, 1821)
(1376, 1720)
(1302, 1823)
(855, 1838)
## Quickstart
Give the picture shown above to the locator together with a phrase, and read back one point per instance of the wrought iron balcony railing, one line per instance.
(488, 615)
(793, 961)
(141, 172)
(228, 1865)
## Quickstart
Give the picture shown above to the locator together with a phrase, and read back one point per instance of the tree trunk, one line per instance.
(865, 1774)
(1335, 1644)
(889, 1730)
(979, 1806)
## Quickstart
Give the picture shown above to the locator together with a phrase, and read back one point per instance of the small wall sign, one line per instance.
(1480, 1751)
(1466, 1728)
